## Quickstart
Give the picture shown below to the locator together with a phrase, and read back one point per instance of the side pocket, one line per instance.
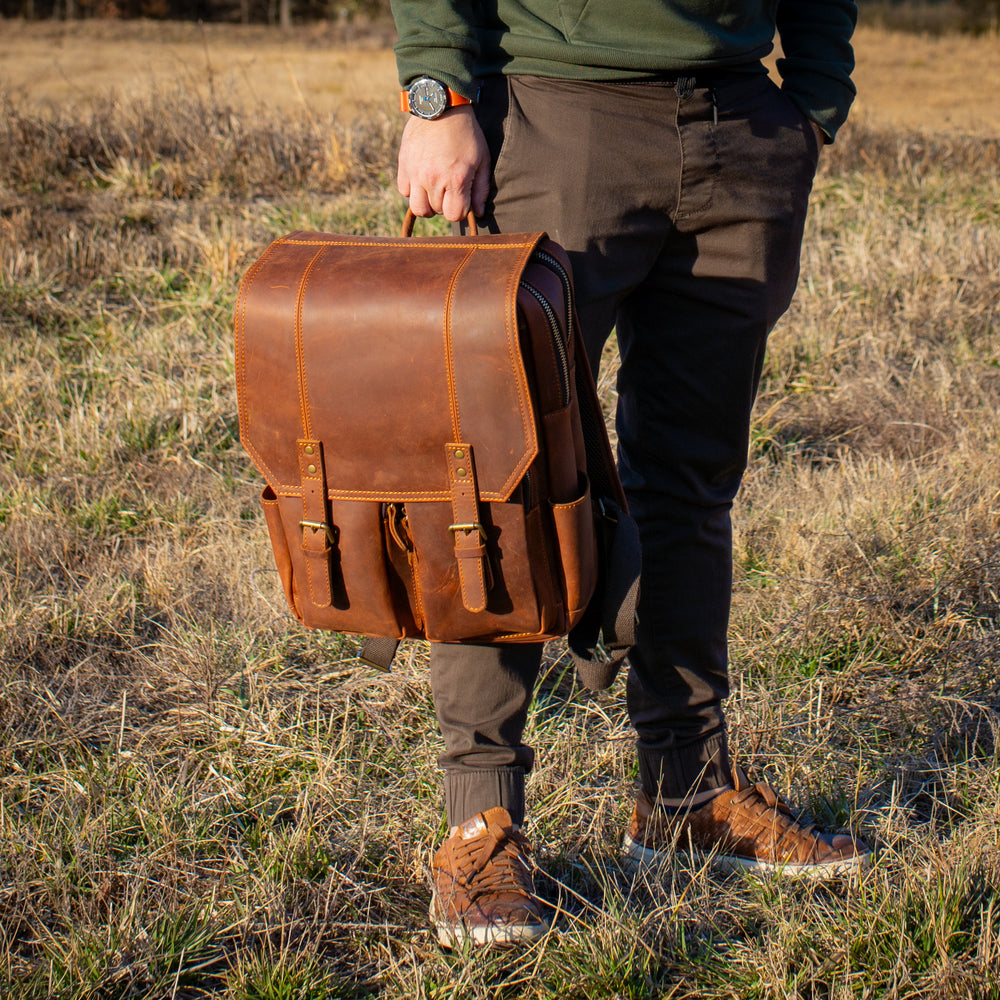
(279, 543)
(574, 523)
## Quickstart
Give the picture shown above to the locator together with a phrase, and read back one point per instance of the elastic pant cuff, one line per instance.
(676, 773)
(468, 792)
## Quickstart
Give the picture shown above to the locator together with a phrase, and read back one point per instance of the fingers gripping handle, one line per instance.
(409, 219)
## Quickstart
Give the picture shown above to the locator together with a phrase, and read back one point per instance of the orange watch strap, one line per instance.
(453, 99)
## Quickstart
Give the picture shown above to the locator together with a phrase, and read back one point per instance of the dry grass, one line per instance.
(319, 68)
(198, 798)
(910, 81)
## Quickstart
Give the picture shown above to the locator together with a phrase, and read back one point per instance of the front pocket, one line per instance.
(516, 569)
(574, 524)
(362, 583)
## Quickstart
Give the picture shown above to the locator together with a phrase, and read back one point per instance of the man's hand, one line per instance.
(444, 165)
(820, 134)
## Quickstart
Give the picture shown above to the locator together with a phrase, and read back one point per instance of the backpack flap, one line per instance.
(385, 350)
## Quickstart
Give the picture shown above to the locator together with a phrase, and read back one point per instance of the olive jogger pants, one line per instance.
(681, 205)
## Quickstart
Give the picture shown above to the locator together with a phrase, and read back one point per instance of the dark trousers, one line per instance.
(682, 208)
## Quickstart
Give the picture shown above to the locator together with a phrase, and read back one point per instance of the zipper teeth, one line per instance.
(556, 267)
(557, 339)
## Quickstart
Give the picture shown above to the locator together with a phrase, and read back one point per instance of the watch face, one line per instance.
(428, 98)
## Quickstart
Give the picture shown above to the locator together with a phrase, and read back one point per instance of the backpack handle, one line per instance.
(409, 219)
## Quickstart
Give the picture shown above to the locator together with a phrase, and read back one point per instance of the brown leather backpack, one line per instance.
(436, 460)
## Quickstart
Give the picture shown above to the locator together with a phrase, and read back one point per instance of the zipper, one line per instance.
(397, 525)
(394, 515)
(562, 355)
(559, 271)
(528, 494)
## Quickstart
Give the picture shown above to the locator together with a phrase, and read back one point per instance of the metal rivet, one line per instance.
(309, 449)
(459, 453)
(310, 469)
(460, 472)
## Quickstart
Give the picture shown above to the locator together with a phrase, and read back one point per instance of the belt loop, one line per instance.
(685, 87)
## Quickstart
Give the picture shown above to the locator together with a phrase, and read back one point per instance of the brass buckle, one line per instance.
(320, 526)
(467, 528)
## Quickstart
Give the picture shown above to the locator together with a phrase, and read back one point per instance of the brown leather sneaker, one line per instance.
(746, 828)
(483, 890)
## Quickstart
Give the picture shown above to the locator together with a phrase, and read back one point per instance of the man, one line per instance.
(648, 140)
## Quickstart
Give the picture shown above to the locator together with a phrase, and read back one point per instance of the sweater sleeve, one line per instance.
(817, 58)
(437, 38)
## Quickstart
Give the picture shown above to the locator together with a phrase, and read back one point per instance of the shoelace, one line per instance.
(493, 862)
(764, 797)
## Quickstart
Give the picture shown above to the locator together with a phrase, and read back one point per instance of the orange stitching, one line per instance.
(520, 379)
(449, 354)
(293, 490)
(421, 611)
(300, 346)
(388, 241)
(240, 337)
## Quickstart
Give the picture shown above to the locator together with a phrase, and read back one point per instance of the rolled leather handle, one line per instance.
(409, 219)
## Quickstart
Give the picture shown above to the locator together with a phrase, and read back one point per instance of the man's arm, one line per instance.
(444, 164)
(817, 59)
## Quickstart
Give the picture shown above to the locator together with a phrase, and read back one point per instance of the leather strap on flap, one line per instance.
(317, 532)
(467, 532)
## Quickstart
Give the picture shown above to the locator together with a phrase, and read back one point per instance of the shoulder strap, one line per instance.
(601, 640)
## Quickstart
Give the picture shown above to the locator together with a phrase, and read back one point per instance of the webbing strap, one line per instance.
(378, 652)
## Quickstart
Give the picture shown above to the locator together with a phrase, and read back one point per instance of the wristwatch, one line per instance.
(429, 98)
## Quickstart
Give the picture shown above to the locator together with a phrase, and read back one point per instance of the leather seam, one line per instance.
(450, 245)
(241, 368)
(300, 360)
(517, 367)
(294, 490)
(449, 353)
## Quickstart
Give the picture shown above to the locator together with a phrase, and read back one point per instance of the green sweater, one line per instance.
(457, 41)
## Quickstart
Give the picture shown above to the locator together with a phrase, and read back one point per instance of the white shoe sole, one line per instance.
(455, 935)
(644, 858)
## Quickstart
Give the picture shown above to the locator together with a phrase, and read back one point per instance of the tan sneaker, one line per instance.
(746, 828)
(483, 889)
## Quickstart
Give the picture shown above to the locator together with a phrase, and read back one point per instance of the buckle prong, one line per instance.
(320, 526)
(467, 528)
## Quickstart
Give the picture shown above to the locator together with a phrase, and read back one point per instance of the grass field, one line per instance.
(909, 81)
(200, 799)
